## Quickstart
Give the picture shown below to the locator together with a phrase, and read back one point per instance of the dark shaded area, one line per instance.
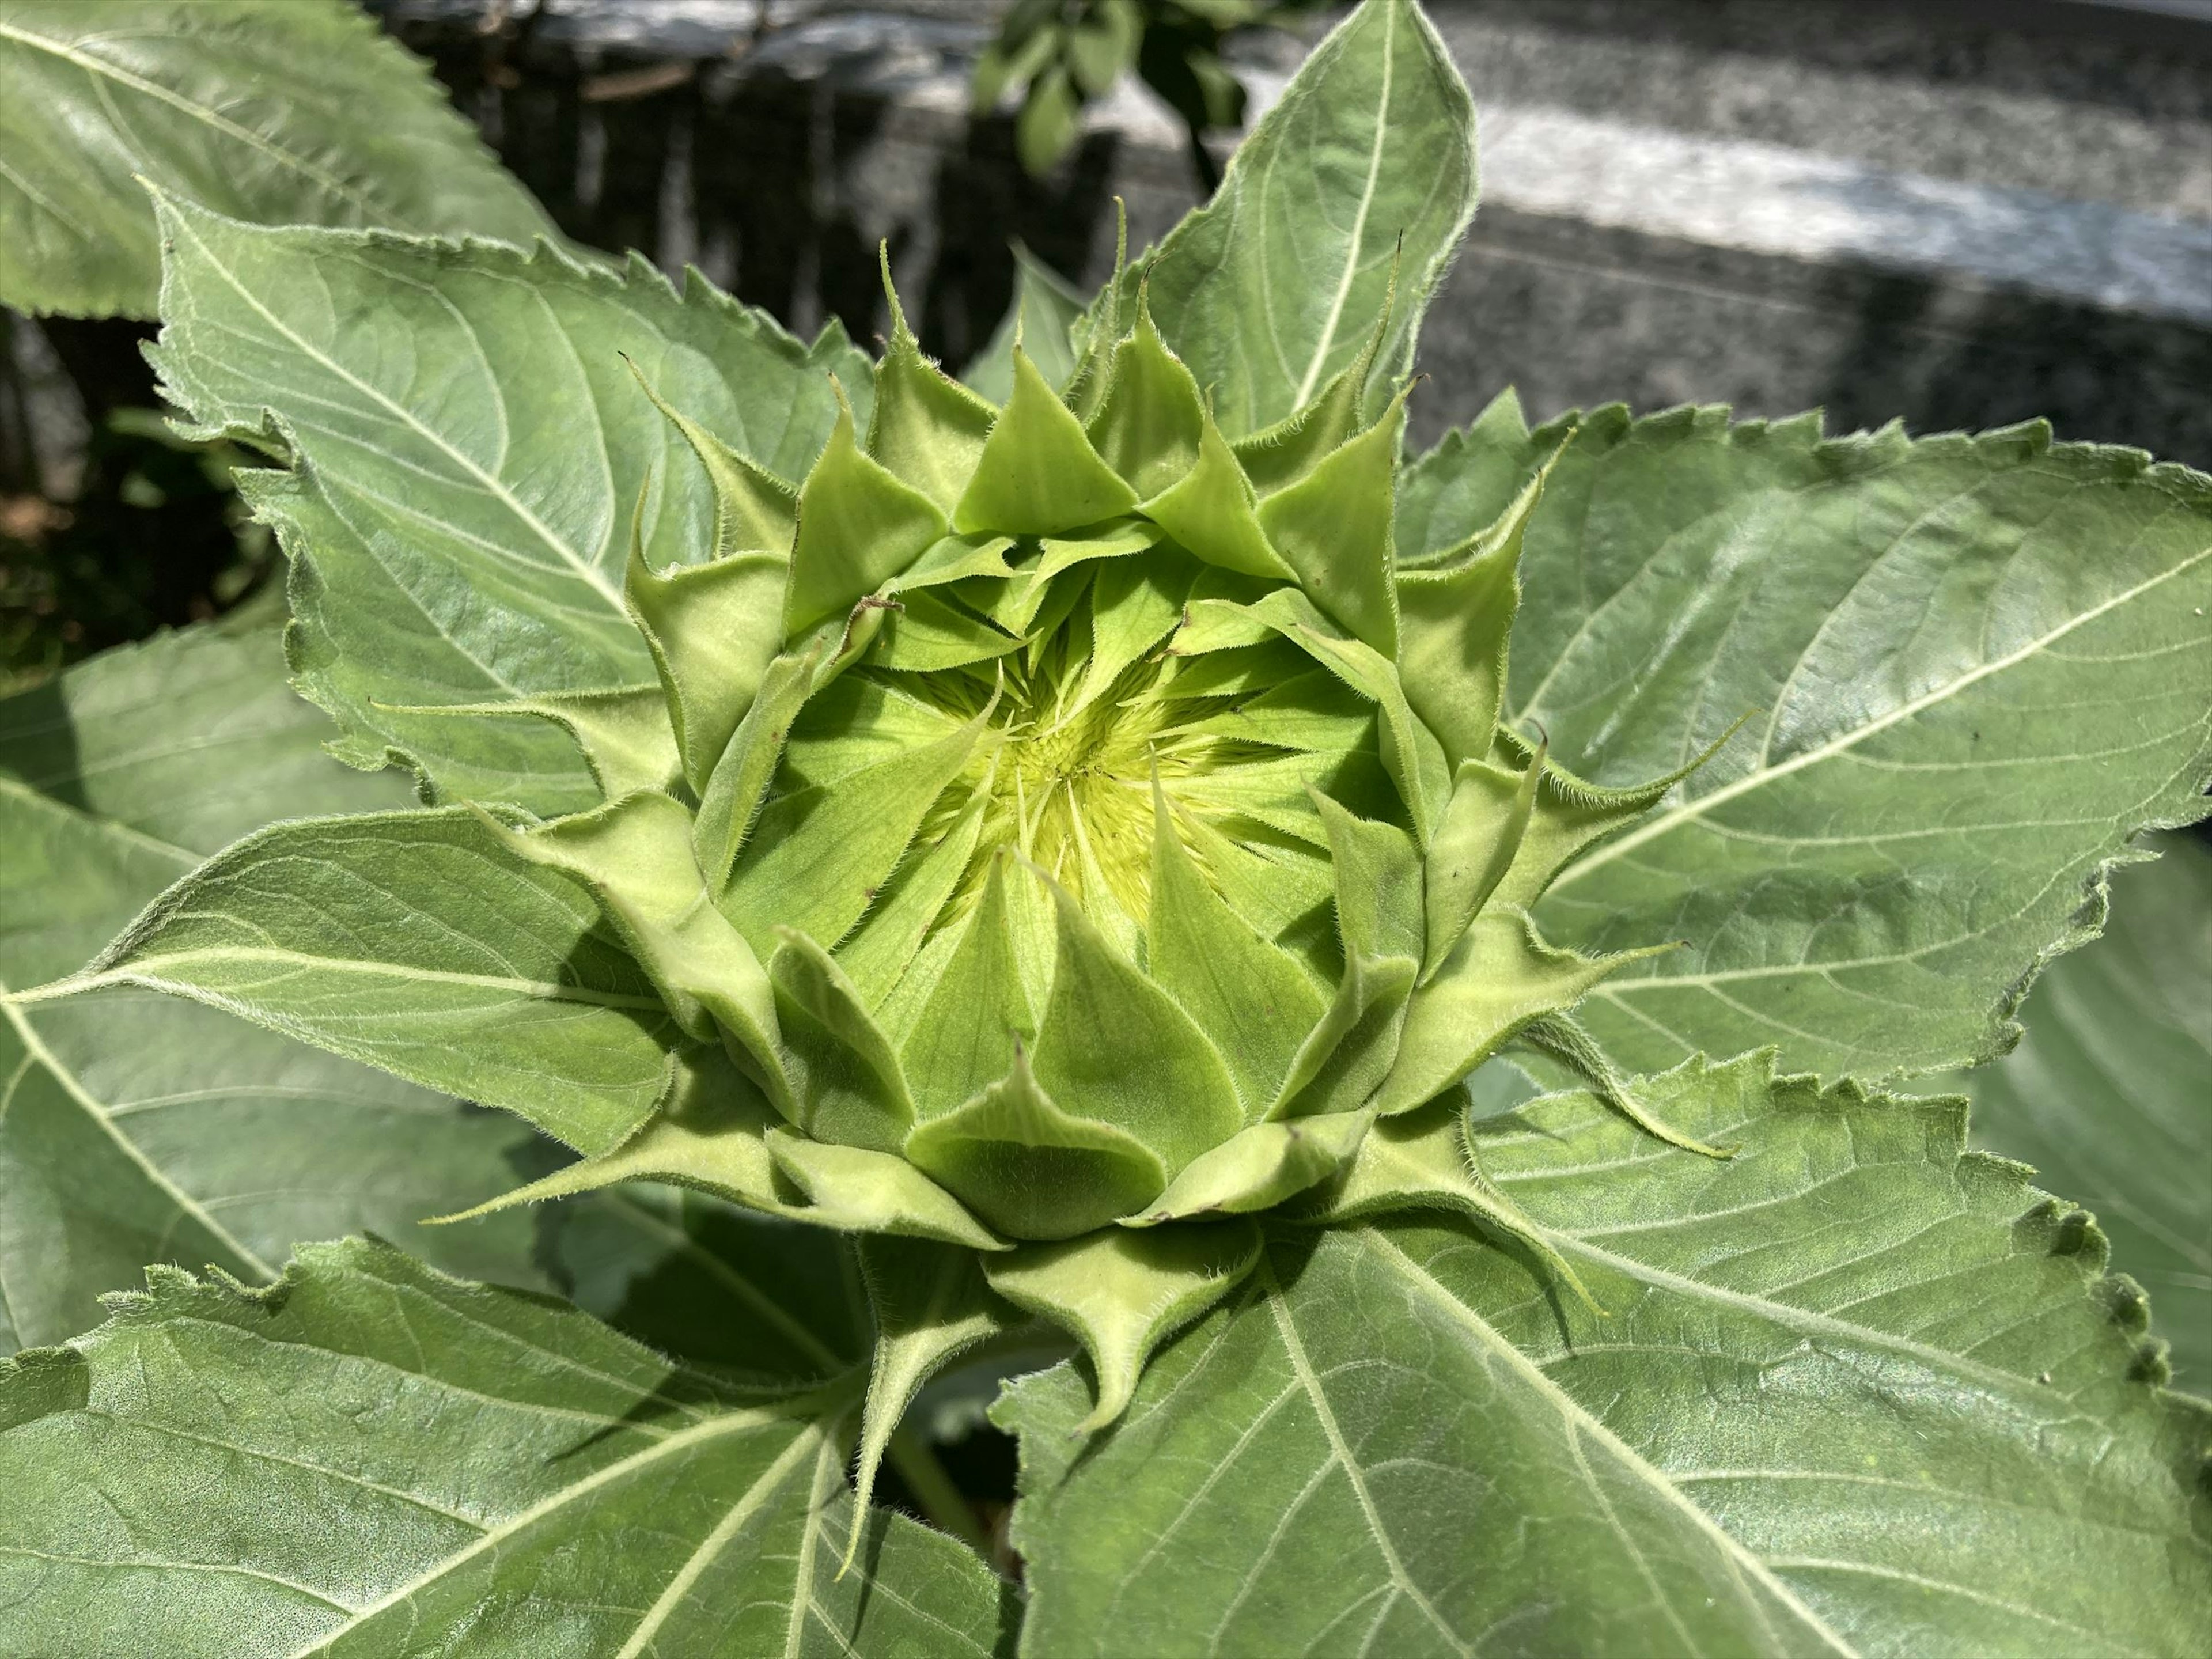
(750, 171)
(152, 533)
(982, 1464)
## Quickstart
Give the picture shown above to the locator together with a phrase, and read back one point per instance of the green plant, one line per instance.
(1062, 54)
(1081, 846)
(256, 108)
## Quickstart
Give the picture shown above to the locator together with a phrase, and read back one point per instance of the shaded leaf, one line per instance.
(137, 1127)
(2110, 1093)
(370, 1456)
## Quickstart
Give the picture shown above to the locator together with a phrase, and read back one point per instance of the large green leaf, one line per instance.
(137, 1128)
(1976, 667)
(371, 1458)
(1365, 168)
(417, 942)
(2110, 1093)
(278, 110)
(1860, 1392)
(469, 450)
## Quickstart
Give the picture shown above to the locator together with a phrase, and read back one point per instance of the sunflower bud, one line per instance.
(1079, 833)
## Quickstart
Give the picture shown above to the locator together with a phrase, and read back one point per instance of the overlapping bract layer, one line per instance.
(1058, 834)
(1072, 826)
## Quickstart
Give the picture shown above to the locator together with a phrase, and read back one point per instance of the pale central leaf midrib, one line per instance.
(748, 1504)
(1571, 1411)
(552, 1503)
(36, 1047)
(586, 569)
(147, 970)
(1359, 236)
(98, 68)
(1843, 741)
(1294, 1350)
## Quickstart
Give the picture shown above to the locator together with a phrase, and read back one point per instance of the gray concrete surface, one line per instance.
(1884, 210)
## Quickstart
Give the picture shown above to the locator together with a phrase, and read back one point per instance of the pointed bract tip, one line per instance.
(901, 333)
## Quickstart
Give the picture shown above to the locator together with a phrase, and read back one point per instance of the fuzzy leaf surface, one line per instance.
(372, 1458)
(1975, 666)
(135, 1127)
(1273, 287)
(2110, 1093)
(417, 942)
(279, 111)
(468, 450)
(1860, 1392)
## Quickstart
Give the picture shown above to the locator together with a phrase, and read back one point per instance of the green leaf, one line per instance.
(733, 797)
(1977, 666)
(1455, 624)
(1258, 1168)
(847, 1087)
(1377, 870)
(1906, 1414)
(1476, 840)
(1495, 981)
(1448, 495)
(279, 111)
(137, 1128)
(1044, 309)
(712, 632)
(927, 428)
(634, 855)
(1410, 751)
(860, 525)
(419, 943)
(819, 856)
(931, 1304)
(2106, 1095)
(755, 511)
(1213, 511)
(977, 1012)
(1333, 527)
(1367, 161)
(1151, 424)
(864, 1192)
(715, 1131)
(460, 505)
(370, 1457)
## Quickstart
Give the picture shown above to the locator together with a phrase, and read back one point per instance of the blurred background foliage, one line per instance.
(1055, 56)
